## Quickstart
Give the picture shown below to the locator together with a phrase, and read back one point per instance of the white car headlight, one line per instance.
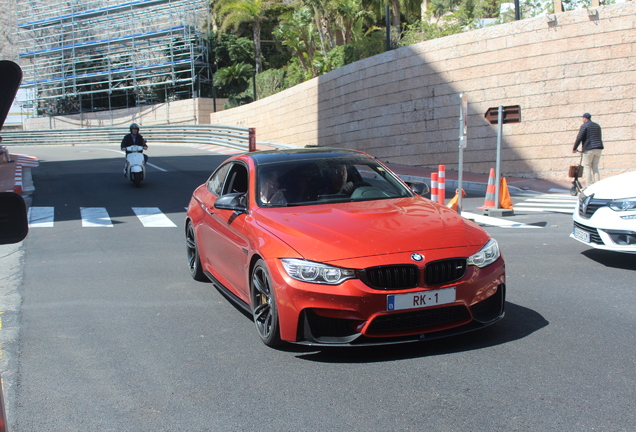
(318, 273)
(623, 204)
(486, 256)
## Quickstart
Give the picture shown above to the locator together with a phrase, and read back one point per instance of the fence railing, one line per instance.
(227, 136)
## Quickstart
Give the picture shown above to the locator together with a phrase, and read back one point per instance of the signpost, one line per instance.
(463, 142)
(500, 115)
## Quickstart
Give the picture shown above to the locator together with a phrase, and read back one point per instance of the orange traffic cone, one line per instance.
(489, 202)
(453, 203)
(504, 195)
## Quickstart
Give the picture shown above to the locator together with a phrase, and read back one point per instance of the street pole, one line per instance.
(463, 132)
(498, 161)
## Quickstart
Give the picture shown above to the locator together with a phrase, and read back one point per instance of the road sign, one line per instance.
(511, 114)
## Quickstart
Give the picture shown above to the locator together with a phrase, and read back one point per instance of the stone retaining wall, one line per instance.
(403, 106)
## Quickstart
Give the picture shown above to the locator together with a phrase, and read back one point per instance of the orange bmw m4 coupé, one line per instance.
(329, 247)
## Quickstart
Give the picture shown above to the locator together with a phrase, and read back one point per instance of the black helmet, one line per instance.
(134, 126)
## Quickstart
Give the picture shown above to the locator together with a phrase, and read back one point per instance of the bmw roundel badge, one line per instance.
(416, 257)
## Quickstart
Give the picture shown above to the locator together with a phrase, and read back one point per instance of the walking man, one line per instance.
(590, 136)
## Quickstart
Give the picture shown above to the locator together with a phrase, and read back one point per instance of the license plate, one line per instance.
(582, 235)
(420, 299)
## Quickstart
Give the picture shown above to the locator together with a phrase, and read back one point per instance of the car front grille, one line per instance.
(589, 205)
(391, 277)
(594, 235)
(417, 320)
(445, 271)
(397, 277)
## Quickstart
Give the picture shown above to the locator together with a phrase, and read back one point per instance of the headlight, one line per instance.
(486, 256)
(623, 204)
(312, 272)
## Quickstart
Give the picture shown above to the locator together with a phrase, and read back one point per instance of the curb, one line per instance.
(20, 180)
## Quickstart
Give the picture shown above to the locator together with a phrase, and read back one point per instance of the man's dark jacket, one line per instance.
(590, 136)
(128, 141)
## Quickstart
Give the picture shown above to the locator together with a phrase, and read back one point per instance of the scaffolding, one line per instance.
(91, 55)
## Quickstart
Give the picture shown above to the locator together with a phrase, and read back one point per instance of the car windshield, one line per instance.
(327, 180)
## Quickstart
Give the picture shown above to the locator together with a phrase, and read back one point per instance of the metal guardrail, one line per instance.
(226, 136)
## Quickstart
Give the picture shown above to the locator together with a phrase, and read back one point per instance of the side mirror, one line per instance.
(232, 201)
(418, 187)
(14, 224)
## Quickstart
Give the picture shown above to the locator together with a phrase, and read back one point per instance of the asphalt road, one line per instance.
(104, 330)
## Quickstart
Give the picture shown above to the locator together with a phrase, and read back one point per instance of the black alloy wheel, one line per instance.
(264, 306)
(194, 262)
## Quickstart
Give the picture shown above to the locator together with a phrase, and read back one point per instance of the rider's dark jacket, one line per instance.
(590, 136)
(128, 141)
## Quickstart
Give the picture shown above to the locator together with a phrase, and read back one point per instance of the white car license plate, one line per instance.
(420, 299)
(582, 235)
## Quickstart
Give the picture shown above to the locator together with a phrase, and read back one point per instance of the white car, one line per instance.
(605, 217)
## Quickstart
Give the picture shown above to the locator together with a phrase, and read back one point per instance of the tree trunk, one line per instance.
(395, 10)
(257, 47)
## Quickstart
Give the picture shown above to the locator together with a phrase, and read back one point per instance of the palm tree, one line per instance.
(351, 18)
(234, 77)
(297, 31)
(233, 13)
(397, 8)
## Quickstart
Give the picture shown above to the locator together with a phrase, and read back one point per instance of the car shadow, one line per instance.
(611, 259)
(518, 323)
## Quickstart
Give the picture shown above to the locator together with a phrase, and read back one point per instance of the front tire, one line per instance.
(194, 261)
(136, 179)
(264, 306)
(574, 191)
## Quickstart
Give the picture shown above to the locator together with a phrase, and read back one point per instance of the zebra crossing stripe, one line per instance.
(545, 204)
(152, 217)
(552, 200)
(43, 217)
(95, 217)
(493, 221)
(40, 217)
(545, 210)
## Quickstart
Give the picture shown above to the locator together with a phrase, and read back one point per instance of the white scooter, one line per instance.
(135, 169)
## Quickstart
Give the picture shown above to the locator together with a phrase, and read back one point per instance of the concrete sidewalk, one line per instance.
(475, 184)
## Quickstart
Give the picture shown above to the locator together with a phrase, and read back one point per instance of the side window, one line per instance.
(236, 180)
(215, 183)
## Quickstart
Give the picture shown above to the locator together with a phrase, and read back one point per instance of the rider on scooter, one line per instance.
(134, 138)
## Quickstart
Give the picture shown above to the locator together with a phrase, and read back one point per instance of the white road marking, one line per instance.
(41, 217)
(95, 217)
(544, 204)
(547, 210)
(489, 220)
(551, 200)
(152, 217)
(156, 167)
(550, 203)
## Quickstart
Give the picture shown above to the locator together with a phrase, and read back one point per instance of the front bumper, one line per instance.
(352, 314)
(594, 232)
